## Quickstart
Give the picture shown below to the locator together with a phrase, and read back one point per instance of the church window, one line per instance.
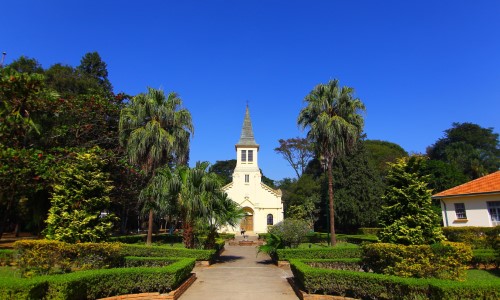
(250, 155)
(269, 219)
(247, 178)
(243, 155)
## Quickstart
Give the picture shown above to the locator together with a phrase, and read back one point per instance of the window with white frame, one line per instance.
(247, 178)
(243, 155)
(494, 210)
(250, 155)
(460, 211)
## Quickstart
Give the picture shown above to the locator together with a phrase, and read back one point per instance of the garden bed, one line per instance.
(377, 286)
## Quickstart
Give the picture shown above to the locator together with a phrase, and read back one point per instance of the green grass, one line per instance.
(483, 275)
(9, 272)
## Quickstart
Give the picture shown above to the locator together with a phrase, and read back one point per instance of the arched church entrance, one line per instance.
(247, 221)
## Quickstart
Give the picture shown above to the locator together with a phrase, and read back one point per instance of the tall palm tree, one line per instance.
(155, 131)
(333, 117)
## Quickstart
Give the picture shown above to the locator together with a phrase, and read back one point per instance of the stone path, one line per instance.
(241, 274)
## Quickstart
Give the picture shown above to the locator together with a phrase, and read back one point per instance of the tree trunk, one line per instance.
(333, 238)
(188, 235)
(150, 228)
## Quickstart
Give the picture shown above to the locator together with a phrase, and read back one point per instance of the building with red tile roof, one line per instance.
(474, 203)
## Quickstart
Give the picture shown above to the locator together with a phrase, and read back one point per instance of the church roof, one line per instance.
(247, 138)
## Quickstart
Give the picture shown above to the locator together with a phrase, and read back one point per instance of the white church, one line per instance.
(262, 204)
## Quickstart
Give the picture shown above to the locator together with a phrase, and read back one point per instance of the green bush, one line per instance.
(93, 284)
(476, 237)
(349, 264)
(6, 257)
(320, 253)
(43, 257)
(166, 251)
(137, 261)
(485, 258)
(444, 260)
(368, 231)
(378, 286)
(141, 238)
(227, 236)
(290, 231)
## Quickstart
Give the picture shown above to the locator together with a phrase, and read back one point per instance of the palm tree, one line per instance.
(155, 131)
(333, 118)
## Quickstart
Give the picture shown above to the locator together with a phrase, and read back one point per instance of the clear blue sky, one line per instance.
(417, 65)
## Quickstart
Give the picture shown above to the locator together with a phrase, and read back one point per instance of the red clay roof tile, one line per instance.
(486, 184)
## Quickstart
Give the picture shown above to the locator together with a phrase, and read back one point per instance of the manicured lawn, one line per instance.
(483, 275)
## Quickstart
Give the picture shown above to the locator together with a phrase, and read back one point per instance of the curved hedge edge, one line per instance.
(378, 286)
(95, 284)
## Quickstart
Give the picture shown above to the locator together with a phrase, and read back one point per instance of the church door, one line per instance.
(247, 221)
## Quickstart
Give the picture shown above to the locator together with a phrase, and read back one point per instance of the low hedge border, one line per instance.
(163, 238)
(138, 261)
(477, 237)
(6, 257)
(95, 284)
(320, 253)
(485, 258)
(346, 264)
(167, 251)
(377, 286)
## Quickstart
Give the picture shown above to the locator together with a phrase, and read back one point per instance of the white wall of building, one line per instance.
(475, 207)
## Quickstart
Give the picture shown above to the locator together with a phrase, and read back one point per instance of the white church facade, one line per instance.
(262, 204)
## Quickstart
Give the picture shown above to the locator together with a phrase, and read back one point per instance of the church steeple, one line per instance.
(247, 138)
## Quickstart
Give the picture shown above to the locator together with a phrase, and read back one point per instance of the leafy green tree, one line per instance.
(155, 131)
(382, 152)
(224, 169)
(26, 65)
(297, 152)
(93, 66)
(407, 215)
(358, 190)
(471, 148)
(333, 118)
(80, 201)
(22, 96)
(301, 198)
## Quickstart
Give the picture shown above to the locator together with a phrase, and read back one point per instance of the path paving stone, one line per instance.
(241, 274)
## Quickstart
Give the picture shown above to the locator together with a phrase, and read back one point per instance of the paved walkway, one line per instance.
(241, 274)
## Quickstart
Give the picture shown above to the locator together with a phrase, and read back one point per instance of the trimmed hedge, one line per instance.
(476, 237)
(445, 260)
(166, 251)
(163, 238)
(485, 258)
(377, 286)
(44, 257)
(350, 264)
(320, 253)
(6, 257)
(95, 284)
(137, 261)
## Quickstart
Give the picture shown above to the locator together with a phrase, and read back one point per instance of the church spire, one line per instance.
(247, 138)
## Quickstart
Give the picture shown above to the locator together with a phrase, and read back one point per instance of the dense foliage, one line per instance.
(407, 216)
(80, 201)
